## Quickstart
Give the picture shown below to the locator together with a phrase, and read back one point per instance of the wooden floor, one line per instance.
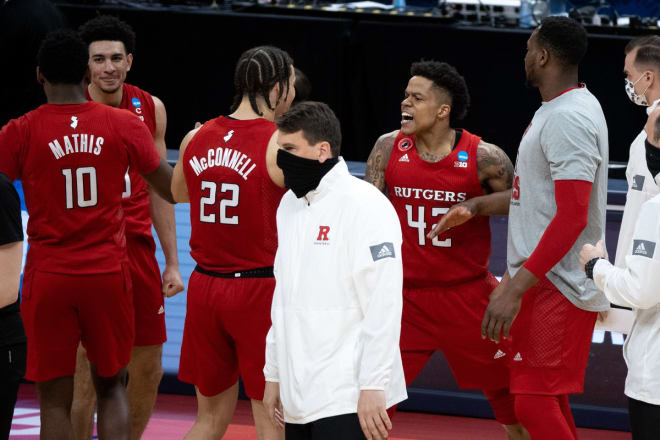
(175, 414)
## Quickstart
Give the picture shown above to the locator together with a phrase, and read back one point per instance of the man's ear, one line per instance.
(41, 79)
(129, 61)
(325, 151)
(543, 57)
(443, 111)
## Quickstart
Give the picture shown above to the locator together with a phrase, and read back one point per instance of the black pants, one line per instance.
(12, 369)
(343, 427)
(644, 420)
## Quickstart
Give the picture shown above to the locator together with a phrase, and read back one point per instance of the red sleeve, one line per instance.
(11, 141)
(143, 156)
(572, 199)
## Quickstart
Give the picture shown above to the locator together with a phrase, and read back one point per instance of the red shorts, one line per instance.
(449, 319)
(147, 292)
(61, 310)
(225, 333)
(551, 340)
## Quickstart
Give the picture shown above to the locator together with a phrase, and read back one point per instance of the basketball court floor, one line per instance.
(175, 414)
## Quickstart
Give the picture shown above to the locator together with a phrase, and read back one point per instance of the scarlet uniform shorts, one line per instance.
(147, 291)
(449, 319)
(551, 340)
(225, 333)
(61, 310)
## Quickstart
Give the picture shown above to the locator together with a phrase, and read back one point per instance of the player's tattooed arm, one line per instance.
(496, 177)
(378, 159)
(495, 168)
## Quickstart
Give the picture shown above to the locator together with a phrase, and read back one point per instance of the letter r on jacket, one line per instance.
(323, 233)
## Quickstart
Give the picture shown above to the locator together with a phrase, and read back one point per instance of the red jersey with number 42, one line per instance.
(421, 193)
(72, 160)
(233, 200)
(135, 193)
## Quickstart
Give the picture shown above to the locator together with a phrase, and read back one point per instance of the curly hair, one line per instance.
(63, 57)
(108, 28)
(257, 71)
(565, 38)
(446, 78)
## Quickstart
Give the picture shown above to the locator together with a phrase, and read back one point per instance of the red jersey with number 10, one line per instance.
(135, 193)
(233, 200)
(72, 160)
(421, 193)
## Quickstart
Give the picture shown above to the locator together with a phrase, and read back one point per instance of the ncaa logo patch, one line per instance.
(405, 144)
(463, 156)
(136, 103)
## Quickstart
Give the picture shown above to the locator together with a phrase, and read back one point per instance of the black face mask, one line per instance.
(652, 158)
(302, 175)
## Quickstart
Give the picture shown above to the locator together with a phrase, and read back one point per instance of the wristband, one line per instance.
(589, 267)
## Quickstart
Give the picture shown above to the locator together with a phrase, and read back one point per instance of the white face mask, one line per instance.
(634, 97)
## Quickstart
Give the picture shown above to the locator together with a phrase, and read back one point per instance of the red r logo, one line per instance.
(323, 233)
(515, 192)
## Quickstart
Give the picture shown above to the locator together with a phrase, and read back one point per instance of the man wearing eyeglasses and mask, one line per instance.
(642, 70)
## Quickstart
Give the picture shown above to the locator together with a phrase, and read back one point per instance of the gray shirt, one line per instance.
(566, 140)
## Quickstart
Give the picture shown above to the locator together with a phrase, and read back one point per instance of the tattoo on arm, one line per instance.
(378, 159)
(495, 168)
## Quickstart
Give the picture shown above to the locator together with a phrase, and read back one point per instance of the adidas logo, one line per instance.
(640, 249)
(384, 252)
(404, 158)
(161, 310)
(500, 354)
(229, 135)
(517, 357)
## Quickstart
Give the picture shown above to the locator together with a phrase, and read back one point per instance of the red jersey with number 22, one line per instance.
(421, 193)
(233, 200)
(72, 160)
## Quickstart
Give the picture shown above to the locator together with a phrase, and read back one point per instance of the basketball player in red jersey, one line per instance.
(425, 168)
(71, 156)
(227, 170)
(111, 43)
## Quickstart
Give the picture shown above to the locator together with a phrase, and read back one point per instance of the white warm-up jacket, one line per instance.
(336, 313)
(635, 281)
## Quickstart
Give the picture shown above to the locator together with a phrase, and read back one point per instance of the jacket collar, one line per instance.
(328, 182)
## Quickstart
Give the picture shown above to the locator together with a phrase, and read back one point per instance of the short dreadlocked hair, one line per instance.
(257, 71)
(565, 38)
(108, 28)
(63, 57)
(446, 78)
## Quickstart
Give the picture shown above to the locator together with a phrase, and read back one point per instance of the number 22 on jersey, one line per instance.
(210, 200)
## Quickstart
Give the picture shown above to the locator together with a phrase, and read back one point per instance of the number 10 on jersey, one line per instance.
(420, 225)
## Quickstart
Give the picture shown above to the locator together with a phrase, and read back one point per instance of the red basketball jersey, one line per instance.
(233, 200)
(421, 193)
(71, 160)
(135, 193)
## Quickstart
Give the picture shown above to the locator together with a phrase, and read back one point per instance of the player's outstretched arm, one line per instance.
(162, 214)
(496, 177)
(179, 187)
(378, 159)
(161, 180)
